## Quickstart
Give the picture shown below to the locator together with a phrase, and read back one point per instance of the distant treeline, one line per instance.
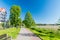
(47, 24)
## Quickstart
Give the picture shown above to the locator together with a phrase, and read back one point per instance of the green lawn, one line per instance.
(46, 34)
(13, 32)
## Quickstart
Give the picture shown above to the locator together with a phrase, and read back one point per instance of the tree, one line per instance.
(15, 19)
(58, 22)
(29, 21)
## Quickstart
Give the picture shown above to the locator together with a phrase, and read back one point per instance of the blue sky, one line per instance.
(43, 11)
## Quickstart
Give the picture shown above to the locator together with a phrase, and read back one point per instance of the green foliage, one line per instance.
(14, 15)
(7, 23)
(13, 32)
(47, 34)
(2, 25)
(19, 22)
(28, 21)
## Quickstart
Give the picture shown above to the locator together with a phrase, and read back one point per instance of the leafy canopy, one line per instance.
(28, 21)
(14, 15)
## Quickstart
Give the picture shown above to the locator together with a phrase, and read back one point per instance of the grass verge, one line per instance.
(13, 32)
(46, 34)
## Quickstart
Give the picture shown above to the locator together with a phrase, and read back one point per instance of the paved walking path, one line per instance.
(26, 34)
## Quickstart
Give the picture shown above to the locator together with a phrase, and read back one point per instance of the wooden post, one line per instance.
(10, 38)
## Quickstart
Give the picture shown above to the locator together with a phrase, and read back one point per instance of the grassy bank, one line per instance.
(11, 32)
(46, 34)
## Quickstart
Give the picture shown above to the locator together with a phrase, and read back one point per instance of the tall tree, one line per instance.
(29, 21)
(15, 19)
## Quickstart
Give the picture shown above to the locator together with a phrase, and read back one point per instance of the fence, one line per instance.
(5, 37)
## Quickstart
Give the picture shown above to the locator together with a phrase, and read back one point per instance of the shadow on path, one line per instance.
(27, 34)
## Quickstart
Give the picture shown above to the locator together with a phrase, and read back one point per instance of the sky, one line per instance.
(43, 11)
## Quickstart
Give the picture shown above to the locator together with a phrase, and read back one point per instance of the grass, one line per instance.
(13, 32)
(46, 34)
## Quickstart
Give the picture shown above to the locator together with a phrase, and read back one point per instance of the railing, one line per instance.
(5, 37)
